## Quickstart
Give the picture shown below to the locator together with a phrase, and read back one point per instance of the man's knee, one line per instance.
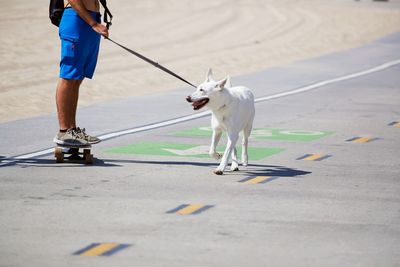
(70, 82)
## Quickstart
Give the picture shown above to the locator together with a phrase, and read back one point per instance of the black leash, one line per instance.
(107, 13)
(155, 64)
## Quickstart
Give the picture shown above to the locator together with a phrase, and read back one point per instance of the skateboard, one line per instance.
(73, 153)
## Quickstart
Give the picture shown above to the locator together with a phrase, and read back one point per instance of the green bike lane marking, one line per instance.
(187, 150)
(201, 151)
(263, 134)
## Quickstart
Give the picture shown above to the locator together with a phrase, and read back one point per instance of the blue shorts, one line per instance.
(79, 46)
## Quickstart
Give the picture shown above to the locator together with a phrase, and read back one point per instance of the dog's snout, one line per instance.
(189, 99)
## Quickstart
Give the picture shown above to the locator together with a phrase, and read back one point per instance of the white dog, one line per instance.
(232, 111)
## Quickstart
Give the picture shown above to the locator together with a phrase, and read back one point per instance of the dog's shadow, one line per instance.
(273, 171)
(250, 170)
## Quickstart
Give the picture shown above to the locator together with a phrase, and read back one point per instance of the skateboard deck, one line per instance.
(73, 154)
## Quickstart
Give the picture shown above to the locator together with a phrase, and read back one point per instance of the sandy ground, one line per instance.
(231, 36)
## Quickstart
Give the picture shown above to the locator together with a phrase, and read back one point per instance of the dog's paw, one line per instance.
(218, 172)
(234, 167)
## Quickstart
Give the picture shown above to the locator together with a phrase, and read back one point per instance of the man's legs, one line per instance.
(67, 96)
(79, 51)
(67, 102)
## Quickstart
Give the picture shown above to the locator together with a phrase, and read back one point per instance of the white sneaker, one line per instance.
(90, 139)
(70, 138)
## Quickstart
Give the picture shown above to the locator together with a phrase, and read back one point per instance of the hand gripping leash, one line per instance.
(155, 64)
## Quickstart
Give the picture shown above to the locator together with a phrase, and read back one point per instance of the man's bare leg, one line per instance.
(67, 102)
(74, 107)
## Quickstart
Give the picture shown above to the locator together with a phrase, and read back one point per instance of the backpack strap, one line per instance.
(107, 13)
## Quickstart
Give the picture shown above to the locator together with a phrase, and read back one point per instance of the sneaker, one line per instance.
(70, 138)
(90, 139)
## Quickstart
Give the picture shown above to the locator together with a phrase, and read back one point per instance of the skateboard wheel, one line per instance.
(58, 153)
(86, 152)
(88, 158)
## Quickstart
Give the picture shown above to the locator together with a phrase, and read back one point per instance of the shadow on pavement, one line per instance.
(251, 170)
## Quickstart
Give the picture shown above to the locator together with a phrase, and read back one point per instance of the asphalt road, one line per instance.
(322, 187)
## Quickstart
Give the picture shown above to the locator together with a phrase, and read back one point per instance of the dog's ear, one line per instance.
(224, 83)
(209, 76)
(228, 82)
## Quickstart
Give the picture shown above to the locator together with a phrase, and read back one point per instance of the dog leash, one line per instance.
(155, 64)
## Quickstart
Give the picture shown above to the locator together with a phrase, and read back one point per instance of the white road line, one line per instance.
(331, 81)
(155, 125)
(114, 135)
(35, 154)
(207, 113)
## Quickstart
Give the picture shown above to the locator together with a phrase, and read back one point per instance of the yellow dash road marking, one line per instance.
(362, 140)
(190, 209)
(100, 249)
(257, 180)
(313, 157)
